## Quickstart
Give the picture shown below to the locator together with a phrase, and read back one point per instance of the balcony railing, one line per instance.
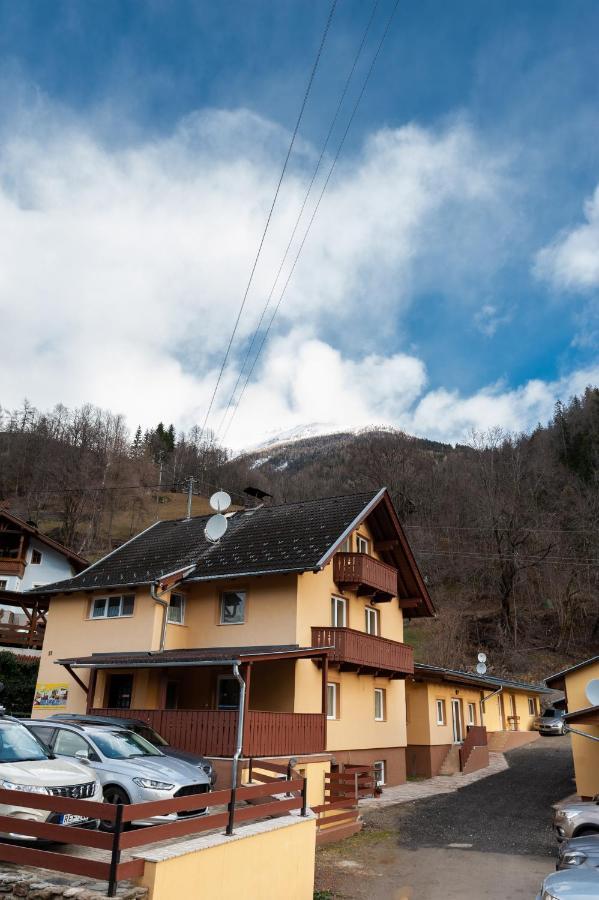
(10, 565)
(12, 635)
(212, 732)
(365, 574)
(357, 650)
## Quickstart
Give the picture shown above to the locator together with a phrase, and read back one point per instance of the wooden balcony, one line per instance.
(21, 636)
(12, 566)
(212, 732)
(365, 574)
(357, 651)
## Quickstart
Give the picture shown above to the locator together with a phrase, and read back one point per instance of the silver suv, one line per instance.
(577, 819)
(130, 769)
(551, 721)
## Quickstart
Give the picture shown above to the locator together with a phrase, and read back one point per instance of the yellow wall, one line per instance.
(585, 752)
(275, 864)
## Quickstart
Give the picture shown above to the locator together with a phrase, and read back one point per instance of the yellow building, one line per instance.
(583, 717)
(454, 718)
(303, 602)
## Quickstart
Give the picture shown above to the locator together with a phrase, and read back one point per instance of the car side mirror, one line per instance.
(82, 756)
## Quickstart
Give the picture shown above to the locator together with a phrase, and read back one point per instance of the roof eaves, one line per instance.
(354, 524)
(285, 571)
(559, 676)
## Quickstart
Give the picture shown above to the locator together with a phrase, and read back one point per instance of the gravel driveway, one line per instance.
(500, 829)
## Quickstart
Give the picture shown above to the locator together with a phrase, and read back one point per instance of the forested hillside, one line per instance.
(505, 529)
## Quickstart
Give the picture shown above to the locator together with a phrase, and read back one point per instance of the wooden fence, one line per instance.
(338, 816)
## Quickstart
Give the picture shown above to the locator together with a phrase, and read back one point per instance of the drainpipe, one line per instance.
(484, 700)
(240, 722)
(164, 606)
(591, 737)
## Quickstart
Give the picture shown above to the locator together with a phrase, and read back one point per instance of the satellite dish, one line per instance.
(215, 528)
(592, 692)
(220, 501)
(482, 657)
(481, 668)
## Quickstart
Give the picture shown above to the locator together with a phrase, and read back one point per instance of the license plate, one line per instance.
(69, 819)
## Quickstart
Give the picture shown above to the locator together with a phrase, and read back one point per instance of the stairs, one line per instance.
(451, 763)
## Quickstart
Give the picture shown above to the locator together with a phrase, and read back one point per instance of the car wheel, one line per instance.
(112, 794)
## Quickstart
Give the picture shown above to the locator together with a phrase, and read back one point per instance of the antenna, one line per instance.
(481, 667)
(217, 525)
(592, 692)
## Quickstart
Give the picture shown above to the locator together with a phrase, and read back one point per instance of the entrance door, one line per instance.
(456, 721)
(120, 688)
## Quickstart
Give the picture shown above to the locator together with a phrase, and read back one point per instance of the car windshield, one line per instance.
(150, 735)
(123, 745)
(552, 714)
(17, 744)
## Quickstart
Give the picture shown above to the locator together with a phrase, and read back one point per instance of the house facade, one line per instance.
(582, 718)
(444, 705)
(303, 602)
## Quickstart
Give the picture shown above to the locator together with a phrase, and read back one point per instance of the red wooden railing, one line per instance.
(362, 569)
(364, 650)
(212, 732)
(476, 736)
(21, 635)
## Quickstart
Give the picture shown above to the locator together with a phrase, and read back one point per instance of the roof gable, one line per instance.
(78, 562)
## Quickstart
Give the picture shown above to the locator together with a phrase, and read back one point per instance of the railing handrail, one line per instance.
(376, 638)
(366, 556)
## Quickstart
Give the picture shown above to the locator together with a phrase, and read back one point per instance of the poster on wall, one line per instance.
(50, 695)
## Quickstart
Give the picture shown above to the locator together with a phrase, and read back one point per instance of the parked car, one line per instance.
(27, 766)
(550, 722)
(580, 884)
(147, 732)
(578, 819)
(130, 769)
(579, 851)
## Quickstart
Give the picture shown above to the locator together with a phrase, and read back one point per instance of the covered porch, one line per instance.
(192, 698)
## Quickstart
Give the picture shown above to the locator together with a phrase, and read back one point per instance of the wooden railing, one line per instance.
(360, 569)
(476, 736)
(212, 732)
(21, 636)
(11, 565)
(111, 868)
(365, 650)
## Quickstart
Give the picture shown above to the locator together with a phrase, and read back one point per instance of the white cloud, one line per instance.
(571, 261)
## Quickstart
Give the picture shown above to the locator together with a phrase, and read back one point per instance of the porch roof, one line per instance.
(588, 716)
(201, 656)
(456, 676)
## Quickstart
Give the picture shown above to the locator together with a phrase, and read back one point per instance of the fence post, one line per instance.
(231, 822)
(356, 789)
(115, 856)
(251, 770)
(304, 811)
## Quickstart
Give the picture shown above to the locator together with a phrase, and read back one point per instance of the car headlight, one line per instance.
(153, 785)
(207, 769)
(574, 859)
(560, 814)
(28, 788)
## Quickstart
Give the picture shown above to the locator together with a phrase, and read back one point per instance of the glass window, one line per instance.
(362, 544)
(471, 714)
(332, 701)
(228, 692)
(36, 557)
(112, 607)
(127, 605)
(68, 743)
(17, 744)
(346, 545)
(232, 608)
(440, 705)
(176, 609)
(379, 772)
(379, 704)
(120, 690)
(338, 612)
(99, 608)
(532, 706)
(372, 620)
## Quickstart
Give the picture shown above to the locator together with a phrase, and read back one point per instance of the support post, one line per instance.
(115, 856)
(231, 809)
(304, 811)
(325, 677)
(91, 690)
(246, 674)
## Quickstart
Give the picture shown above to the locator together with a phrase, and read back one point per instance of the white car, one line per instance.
(577, 884)
(25, 765)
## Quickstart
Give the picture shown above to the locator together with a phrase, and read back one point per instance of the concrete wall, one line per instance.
(585, 753)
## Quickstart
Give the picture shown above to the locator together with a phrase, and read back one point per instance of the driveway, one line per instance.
(491, 839)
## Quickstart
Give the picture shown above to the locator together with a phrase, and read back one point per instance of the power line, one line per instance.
(492, 528)
(262, 239)
(309, 226)
(301, 212)
(502, 557)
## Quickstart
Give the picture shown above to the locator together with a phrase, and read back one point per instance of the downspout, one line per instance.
(591, 737)
(240, 723)
(484, 700)
(164, 605)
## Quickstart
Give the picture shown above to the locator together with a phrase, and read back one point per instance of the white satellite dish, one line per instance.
(220, 501)
(215, 528)
(592, 692)
(482, 657)
(481, 668)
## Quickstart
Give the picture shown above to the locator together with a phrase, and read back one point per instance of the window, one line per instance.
(120, 689)
(232, 608)
(362, 544)
(379, 772)
(346, 545)
(372, 620)
(176, 609)
(36, 557)
(227, 692)
(440, 705)
(70, 744)
(338, 612)
(332, 700)
(171, 700)
(471, 714)
(380, 704)
(112, 607)
(3, 583)
(532, 706)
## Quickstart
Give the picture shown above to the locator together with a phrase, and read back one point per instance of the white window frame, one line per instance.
(336, 604)
(180, 621)
(382, 763)
(36, 562)
(471, 713)
(362, 544)
(104, 616)
(345, 547)
(440, 710)
(380, 692)
(243, 607)
(372, 614)
(332, 691)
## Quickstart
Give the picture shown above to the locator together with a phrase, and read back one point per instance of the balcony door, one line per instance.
(338, 612)
(456, 721)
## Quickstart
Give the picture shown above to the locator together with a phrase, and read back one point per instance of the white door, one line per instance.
(456, 720)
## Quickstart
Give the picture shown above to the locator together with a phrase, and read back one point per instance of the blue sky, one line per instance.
(449, 282)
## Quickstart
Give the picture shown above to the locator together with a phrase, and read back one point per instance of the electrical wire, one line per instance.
(309, 226)
(269, 217)
(502, 557)
(301, 212)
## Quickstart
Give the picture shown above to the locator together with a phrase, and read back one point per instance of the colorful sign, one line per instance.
(54, 695)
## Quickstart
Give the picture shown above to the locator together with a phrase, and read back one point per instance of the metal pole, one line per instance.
(305, 797)
(591, 737)
(115, 856)
(238, 748)
(189, 496)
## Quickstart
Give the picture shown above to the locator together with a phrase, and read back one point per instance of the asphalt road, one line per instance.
(491, 839)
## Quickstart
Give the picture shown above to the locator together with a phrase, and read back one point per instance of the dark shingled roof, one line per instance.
(460, 677)
(293, 537)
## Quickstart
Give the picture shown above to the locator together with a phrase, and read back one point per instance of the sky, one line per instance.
(448, 282)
